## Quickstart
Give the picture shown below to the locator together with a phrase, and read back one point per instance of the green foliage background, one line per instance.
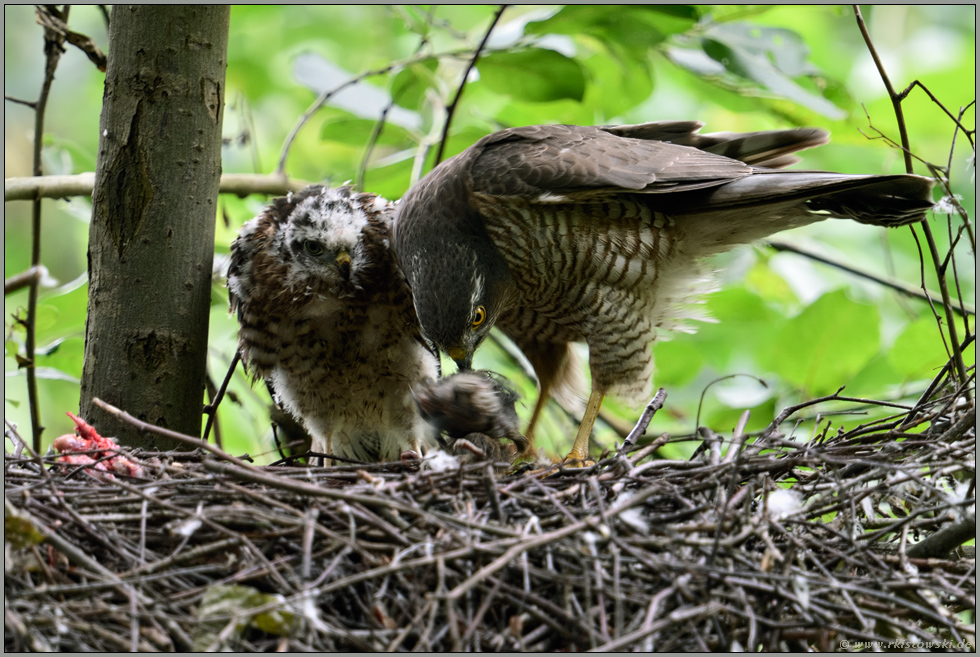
(803, 328)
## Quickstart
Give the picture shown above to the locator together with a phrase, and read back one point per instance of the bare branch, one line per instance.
(19, 281)
(18, 101)
(462, 84)
(212, 409)
(322, 99)
(898, 286)
(240, 184)
(52, 54)
(926, 229)
(58, 26)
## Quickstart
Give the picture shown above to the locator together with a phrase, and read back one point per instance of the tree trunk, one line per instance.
(151, 241)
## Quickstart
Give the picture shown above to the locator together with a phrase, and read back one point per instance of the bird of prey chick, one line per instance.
(326, 318)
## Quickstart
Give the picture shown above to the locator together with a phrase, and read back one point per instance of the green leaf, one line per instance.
(769, 285)
(410, 84)
(617, 83)
(768, 57)
(533, 74)
(223, 604)
(745, 326)
(19, 531)
(390, 181)
(637, 27)
(918, 351)
(877, 377)
(820, 349)
(64, 355)
(357, 132)
(696, 61)
(783, 48)
(65, 308)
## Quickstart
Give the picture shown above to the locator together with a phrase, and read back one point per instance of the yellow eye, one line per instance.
(479, 316)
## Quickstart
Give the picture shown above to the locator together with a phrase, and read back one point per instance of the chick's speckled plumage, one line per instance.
(327, 319)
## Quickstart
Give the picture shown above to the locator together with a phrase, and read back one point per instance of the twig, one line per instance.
(945, 540)
(326, 95)
(240, 184)
(379, 127)
(58, 26)
(697, 417)
(19, 281)
(616, 560)
(462, 84)
(641, 426)
(957, 120)
(926, 396)
(18, 101)
(926, 229)
(701, 611)
(211, 410)
(52, 53)
(140, 425)
(734, 454)
(380, 124)
(786, 412)
(898, 286)
(71, 551)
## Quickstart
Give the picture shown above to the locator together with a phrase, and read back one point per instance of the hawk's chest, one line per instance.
(564, 256)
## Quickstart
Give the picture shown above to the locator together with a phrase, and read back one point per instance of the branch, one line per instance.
(898, 286)
(240, 184)
(58, 26)
(322, 99)
(641, 426)
(945, 540)
(896, 99)
(19, 101)
(19, 281)
(73, 552)
(379, 126)
(52, 53)
(212, 409)
(459, 92)
(243, 184)
(167, 433)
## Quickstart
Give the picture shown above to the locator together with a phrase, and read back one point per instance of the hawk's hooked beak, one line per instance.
(463, 358)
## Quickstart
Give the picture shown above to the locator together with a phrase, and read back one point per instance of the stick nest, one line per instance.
(759, 542)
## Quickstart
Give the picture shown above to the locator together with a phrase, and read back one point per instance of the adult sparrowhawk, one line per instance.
(560, 234)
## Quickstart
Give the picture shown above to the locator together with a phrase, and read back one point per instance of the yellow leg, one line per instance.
(580, 450)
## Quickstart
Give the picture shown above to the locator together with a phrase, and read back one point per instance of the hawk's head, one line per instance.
(459, 281)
